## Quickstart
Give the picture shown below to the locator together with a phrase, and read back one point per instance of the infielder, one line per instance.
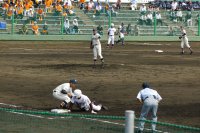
(184, 40)
(111, 36)
(84, 103)
(121, 35)
(96, 47)
(64, 92)
(150, 99)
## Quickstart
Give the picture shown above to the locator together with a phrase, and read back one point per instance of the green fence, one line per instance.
(27, 121)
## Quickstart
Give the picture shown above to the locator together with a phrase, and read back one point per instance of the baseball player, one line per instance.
(111, 36)
(64, 92)
(96, 47)
(150, 99)
(84, 103)
(121, 35)
(184, 40)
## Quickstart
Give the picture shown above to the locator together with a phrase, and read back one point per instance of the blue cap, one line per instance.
(145, 85)
(73, 81)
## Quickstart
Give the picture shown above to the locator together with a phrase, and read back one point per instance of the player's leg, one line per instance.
(64, 97)
(95, 56)
(112, 41)
(143, 115)
(182, 46)
(187, 45)
(109, 40)
(154, 115)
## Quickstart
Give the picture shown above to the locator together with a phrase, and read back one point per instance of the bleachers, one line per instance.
(87, 22)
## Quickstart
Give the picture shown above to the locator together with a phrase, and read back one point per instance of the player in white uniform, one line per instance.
(111, 36)
(121, 35)
(150, 99)
(184, 40)
(84, 103)
(64, 92)
(96, 47)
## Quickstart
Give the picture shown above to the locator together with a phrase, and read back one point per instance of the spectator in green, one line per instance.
(173, 16)
(100, 29)
(188, 19)
(45, 29)
(159, 18)
(128, 29)
(171, 31)
(24, 29)
(136, 30)
(179, 15)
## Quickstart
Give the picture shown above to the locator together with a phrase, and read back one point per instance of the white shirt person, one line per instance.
(150, 99)
(96, 47)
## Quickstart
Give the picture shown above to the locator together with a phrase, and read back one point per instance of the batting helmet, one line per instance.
(112, 25)
(77, 93)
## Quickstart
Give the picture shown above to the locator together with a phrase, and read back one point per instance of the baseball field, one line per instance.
(30, 70)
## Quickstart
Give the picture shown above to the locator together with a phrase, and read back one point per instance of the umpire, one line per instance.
(150, 99)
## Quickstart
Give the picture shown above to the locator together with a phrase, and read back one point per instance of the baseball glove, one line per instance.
(180, 37)
(91, 46)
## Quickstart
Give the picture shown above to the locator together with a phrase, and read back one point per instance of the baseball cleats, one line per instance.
(104, 107)
(191, 52)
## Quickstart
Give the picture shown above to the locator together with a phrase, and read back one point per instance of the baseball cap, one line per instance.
(73, 81)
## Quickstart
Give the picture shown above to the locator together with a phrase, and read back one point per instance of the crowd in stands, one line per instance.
(35, 11)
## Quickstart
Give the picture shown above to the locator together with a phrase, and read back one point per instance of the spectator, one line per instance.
(27, 8)
(159, 18)
(82, 6)
(35, 28)
(171, 31)
(174, 5)
(75, 26)
(58, 9)
(48, 6)
(118, 4)
(188, 19)
(136, 30)
(67, 27)
(5, 9)
(45, 29)
(133, 4)
(149, 19)
(98, 9)
(40, 13)
(24, 29)
(179, 15)
(19, 12)
(142, 20)
(173, 16)
(128, 29)
(90, 5)
(100, 29)
(143, 9)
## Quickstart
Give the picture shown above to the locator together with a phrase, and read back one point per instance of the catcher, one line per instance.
(184, 40)
(95, 45)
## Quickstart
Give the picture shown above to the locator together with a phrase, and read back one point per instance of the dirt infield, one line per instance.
(29, 71)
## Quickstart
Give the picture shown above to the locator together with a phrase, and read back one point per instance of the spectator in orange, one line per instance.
(27, 7)
(45, 29)
(40, 13)
(35, 28)
(48, 5)
(19, 12)
(9, 13)
(58, 8)
(5, 9)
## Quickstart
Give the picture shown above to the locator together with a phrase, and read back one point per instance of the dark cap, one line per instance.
(73, 81)
(145, 85)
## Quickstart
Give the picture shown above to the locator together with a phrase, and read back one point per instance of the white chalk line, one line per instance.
(51, 118)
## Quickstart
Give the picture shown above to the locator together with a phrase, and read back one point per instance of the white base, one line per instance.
(60, 111)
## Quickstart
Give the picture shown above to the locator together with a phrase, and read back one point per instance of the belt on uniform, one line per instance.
(111, 35)
(148, 97)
